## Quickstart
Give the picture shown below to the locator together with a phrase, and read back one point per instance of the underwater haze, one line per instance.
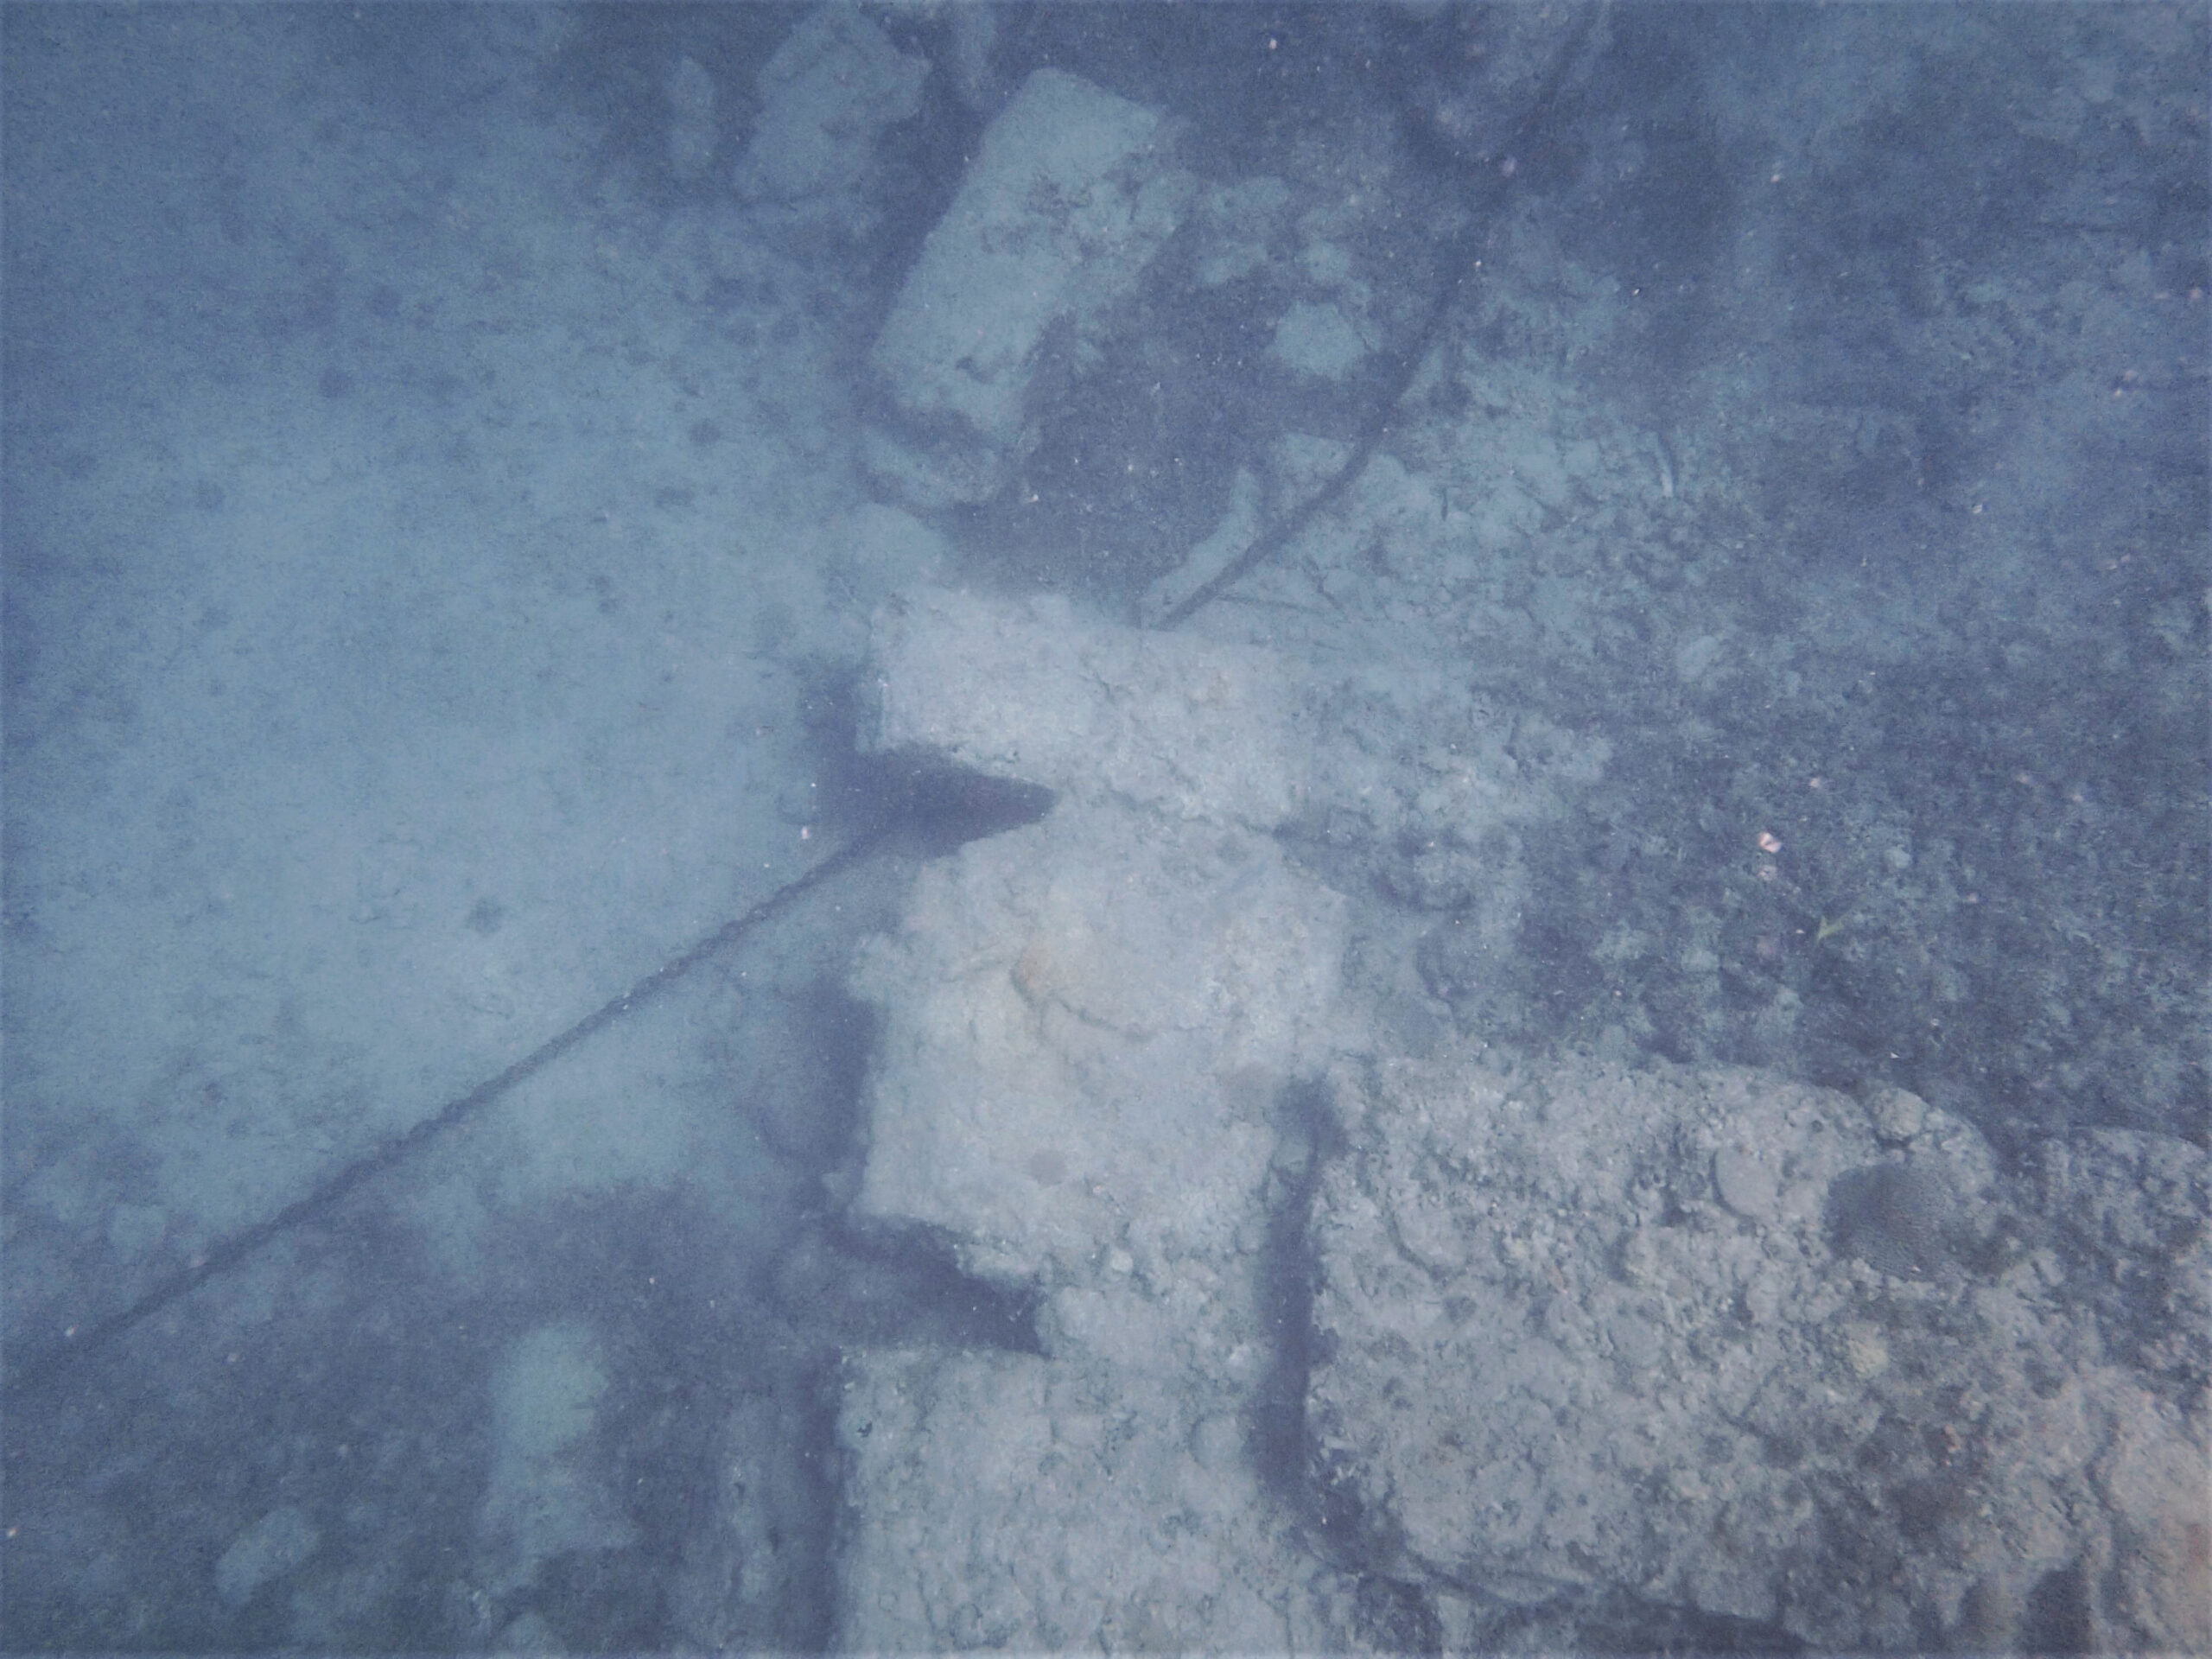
(919, 825)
